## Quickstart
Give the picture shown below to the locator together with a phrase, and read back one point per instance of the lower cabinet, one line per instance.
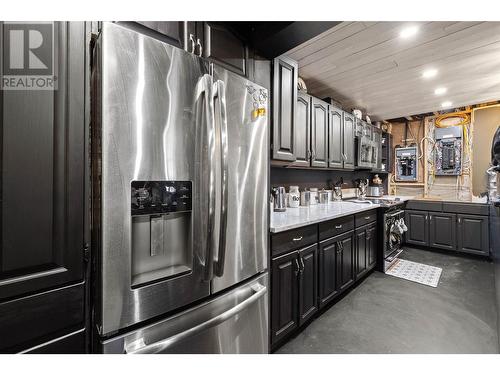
(345, 260)
(293, 290)
(418, 229)
(328, 270)
(371, 241)
(454, 231)
(473, 234)
(366, 249)
(308, 283)
(307, 275)
(442, 230)
(336, 270)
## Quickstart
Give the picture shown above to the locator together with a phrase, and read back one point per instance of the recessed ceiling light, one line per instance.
(440, 90)
(446, 104)
(408, 31)
(429, 73)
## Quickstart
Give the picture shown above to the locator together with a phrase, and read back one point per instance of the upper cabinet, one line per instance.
(348, 140)
(302, 131)
(319, 133)
(214, 41)
(335, 138)
(284, 108)
(225, 48)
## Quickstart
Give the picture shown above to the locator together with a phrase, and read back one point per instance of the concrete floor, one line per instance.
(385, 314)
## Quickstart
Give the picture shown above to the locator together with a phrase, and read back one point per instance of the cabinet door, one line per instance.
(328, 270)
(284, 107)
(442, 230)
(473, 234)
(43, 176)
(348, 140)
(308, 283)
(173, 32)
(377, 137)
(302, 130)
(418, 229)
(319, 133)
(345, 261)
(223, 47)
(335, 138)
(371, 245)
(361, 251)
(284, 317)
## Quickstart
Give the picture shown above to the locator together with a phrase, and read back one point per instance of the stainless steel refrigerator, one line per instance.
(180, 205)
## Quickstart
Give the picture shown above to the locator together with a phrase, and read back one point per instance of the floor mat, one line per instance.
(417, 272)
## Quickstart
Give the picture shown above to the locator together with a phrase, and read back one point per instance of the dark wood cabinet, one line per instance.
(335, 138)
(43, 176)
(225, 48)
(284, 108)
(284, 312)
(473, 234)
(345, 261)
(348, 141)
(442, 230)
(294, 290)
(176, 33)
(308, 283)
(328, 270)
(377, 137)
(452, 230)
(301, 132)
(371, 245)
(43, 168)
(319, 133)
(418, 228)
(361, 251)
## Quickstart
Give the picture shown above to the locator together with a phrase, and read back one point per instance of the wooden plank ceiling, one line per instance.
(367, 65)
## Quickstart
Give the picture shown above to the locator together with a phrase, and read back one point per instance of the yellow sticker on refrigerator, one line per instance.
(257, 112)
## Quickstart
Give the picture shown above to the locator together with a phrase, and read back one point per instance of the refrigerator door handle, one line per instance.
(220, 94)
(211, 147)
(258, 291)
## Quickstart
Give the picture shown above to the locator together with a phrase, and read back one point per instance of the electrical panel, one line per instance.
(448, 151)
(406, 164)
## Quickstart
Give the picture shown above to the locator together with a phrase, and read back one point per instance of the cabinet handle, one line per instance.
(308, 154)
(302, 263)
(298, 267)
(338, 226)
(313, 155)
(193, 42)
(344, 157)
(459, 220)
(296, 239)
(430, 217)
(200, 50)
(367, 217)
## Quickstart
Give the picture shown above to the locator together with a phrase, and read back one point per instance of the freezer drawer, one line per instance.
(234, 322)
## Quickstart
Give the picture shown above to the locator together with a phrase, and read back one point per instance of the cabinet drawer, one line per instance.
(366, 217)
(424, 205)
(466, 208)
(293, 239)
(335, 227)
(32, 320)
(72, 343)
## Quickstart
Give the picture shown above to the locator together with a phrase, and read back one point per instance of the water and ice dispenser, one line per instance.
(161, 230)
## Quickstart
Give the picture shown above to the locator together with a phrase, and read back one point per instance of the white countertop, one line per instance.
(301, 216)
